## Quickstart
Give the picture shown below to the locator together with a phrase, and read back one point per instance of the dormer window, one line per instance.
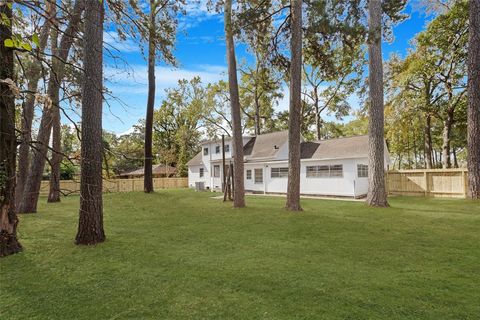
(217, 149)
(205, 151)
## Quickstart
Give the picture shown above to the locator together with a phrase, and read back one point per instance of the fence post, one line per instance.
(465, 183)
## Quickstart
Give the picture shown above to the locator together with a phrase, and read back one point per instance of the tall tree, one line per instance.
(148, 174)
(377, 194)
(33, 77)
(32, 185)
(295, 110)
(154, 23)
(239, 190)
(8, 219)
(90, 224)
(56, 159)
(473, 160)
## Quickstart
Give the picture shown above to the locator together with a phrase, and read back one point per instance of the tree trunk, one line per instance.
(239, 190)
(148, 162)
(32, 185)
(34, 75)
(447, 129)
(455, 159)
(54, 192)
(428, 141)
(56, 159)
(295, 118)
(377, 195)
(90, 224)
(257, 113)
(473, 135)
(318, 120)
(8, 219)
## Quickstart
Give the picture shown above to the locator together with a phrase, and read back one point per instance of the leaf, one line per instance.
(26, 46)
(35, 40)
(8, 43)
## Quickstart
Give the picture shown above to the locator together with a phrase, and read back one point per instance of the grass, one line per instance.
(181, 255)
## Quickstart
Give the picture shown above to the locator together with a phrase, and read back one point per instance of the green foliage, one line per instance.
(429, 82)
(67, 170)
(183, 255)
(177, 122)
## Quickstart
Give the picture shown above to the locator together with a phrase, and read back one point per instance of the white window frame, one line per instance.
(324, 171)
(280, 172)
(201, 172)
(255, 171)
(205, 151)
(249, 174)
(217, 149)
(362, 170)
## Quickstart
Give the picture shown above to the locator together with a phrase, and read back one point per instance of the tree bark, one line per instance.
(428, 141)
(34, 75)
(32, 185)
(238, 182)
(148, 162)
(56, 159)
(90, 224)
(447, 129)
(473, 135)
(295, 118)
(377, 195)
(54, 192)
(318, 120)
(257, 114)
(8, 219)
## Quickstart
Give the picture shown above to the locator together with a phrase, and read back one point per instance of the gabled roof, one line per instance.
(196, 161)
(156, 169)
(339, 148)
(265, 146)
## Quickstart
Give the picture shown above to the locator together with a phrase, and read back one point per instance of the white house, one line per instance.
(334, 167)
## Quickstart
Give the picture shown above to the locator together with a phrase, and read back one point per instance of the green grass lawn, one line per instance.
(181, 255)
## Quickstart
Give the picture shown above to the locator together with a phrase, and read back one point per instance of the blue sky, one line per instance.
(200, 50)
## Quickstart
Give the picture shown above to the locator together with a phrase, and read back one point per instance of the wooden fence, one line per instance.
(118, 185)
(449, 183)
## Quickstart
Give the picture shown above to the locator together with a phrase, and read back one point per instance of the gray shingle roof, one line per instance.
(339, 148)
(266, 145)
(196, 161)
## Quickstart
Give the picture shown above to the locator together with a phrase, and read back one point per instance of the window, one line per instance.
(336, 171)
(279, 172)
(249, 174)
(201, 172)
(362, 170)
(227, 148)
(217, 149)
(205, 151)
(332, 171)
(216, 171)
(258, 175)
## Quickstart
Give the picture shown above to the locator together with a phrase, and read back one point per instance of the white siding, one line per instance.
(194, 176)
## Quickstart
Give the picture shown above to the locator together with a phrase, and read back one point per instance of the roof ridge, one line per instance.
(340, 138)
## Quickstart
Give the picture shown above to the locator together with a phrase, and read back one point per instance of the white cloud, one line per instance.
(113, 42)
(135, 79)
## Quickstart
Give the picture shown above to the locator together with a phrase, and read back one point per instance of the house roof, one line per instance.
(265, 146)
(156, 169)
(339, 148)
(196, 161)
